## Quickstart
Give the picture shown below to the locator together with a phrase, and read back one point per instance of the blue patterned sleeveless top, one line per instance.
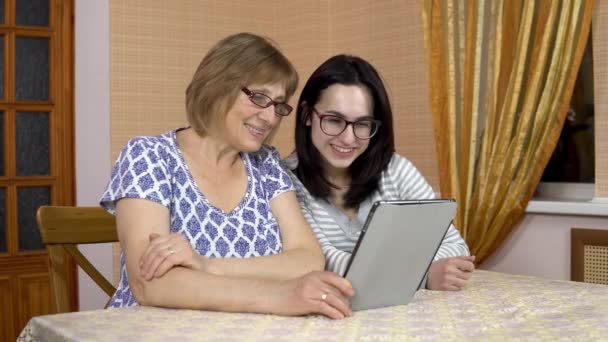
(153, 168)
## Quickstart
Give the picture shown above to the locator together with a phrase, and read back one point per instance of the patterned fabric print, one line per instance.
(492, 307)
(153, 168)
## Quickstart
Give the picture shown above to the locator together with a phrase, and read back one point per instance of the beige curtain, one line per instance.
(501, 74)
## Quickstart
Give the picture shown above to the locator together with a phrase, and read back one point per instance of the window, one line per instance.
(570, 173)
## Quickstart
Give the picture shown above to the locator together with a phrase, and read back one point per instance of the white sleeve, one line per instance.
(452, 245)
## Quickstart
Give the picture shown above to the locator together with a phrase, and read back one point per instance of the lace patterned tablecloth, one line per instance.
(493, 307)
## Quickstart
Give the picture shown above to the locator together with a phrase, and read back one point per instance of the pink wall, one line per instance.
(540, 246)
(92, 107)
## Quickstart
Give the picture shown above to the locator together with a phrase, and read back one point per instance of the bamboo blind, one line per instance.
(156, 46)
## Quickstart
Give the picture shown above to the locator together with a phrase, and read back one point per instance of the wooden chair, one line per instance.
(62, 229)
(589, 255)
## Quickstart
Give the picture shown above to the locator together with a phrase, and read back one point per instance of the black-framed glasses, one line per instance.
(263, 101)
(334, 125)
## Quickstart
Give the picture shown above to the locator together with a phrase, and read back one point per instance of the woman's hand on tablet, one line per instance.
(319, 292)
(450, 274)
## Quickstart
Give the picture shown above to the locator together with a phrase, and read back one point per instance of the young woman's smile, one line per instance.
(339, 103)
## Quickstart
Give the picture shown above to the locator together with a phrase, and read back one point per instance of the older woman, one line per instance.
(207, 218)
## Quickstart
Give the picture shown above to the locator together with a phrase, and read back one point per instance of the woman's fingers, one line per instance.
(325, 308)
(335, 291)
(165, 266)
(340, 283)
(153, 246)
(333, 298)
(465, 265)
(451, 274)
(154, 261)
(452, 283)
(338, 295)
(161, 249)
(463, 269)
(464, 275)
(460, 283)
(316, 293)
(452, 287)
(153, 256)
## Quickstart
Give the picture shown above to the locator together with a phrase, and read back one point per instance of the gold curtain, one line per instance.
(501, 74)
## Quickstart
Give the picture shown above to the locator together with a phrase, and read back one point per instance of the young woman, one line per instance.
(206, 217)
(345, 160)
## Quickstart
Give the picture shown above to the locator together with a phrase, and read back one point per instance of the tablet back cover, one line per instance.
(397, 246)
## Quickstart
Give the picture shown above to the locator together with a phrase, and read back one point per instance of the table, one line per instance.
(493, 306)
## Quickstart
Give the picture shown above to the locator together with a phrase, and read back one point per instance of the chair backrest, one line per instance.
(62, 229)
(589, 255)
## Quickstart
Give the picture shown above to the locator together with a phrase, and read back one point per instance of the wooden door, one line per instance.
(36, 156)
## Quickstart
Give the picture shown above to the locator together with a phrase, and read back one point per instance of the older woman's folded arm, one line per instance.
(226, 284)
(180, 287)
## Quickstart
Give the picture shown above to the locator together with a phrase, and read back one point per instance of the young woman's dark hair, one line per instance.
(365, 170)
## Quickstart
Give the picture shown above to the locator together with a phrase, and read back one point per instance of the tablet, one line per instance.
(395, 249)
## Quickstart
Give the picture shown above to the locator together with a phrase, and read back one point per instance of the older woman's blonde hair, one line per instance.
(233, 63)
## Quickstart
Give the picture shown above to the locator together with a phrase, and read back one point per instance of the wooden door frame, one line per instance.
(61, 125)
(64, 136)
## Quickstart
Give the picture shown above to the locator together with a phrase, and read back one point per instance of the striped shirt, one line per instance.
(399, 181)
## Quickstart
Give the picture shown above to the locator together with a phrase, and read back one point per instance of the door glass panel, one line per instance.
(1, 11)
(2, 220)
(32, 69)
(32, 12)
(32, 145)
(1, 143)
(28, 201)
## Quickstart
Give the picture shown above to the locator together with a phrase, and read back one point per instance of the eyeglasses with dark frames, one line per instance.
(334, 125)
(264, 101)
